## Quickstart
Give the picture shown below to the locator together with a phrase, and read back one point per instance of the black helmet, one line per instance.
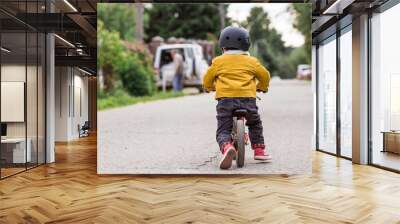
(234, 37)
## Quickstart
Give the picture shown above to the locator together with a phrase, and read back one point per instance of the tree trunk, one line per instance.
(139, 21)
(221, 9)
(108, 78)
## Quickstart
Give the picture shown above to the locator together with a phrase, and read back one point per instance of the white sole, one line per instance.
(263, 158)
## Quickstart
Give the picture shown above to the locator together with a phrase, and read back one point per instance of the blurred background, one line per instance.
(135, 40)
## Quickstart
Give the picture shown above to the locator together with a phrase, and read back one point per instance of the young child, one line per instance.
(236, 76)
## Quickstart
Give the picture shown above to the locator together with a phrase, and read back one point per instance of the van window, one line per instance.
(166, 57)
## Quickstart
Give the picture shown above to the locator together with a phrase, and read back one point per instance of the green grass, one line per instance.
(121, 99)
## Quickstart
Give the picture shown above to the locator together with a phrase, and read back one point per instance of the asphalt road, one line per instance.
(177, 136)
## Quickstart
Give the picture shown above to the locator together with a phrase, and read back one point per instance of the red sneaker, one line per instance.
(260, 153)
(229, 152)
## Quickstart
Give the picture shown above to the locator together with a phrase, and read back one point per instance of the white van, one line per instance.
(194, 69)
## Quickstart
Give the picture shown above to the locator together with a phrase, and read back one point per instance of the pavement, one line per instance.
(177, 136)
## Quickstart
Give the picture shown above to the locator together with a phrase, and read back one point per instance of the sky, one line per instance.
(280, 18)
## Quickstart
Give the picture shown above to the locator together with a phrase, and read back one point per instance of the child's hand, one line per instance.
(208, 90)
(211, 89)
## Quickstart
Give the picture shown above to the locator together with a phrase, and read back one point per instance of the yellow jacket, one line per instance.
(235, 75)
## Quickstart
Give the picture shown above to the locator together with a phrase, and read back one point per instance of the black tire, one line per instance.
(240, 132)
(234, 135)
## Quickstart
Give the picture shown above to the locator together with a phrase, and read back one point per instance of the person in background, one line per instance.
(177, 82)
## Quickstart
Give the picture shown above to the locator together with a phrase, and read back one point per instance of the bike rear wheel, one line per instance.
(240, 142)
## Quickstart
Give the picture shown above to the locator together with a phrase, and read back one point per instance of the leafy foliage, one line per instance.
(267, 43)
(110, 53)
(123, 68)
(118, 18)
(302, 13)
(184, 20)
(136, 75)
(268, 46)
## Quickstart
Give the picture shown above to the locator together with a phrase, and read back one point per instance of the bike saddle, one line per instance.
(240, 113)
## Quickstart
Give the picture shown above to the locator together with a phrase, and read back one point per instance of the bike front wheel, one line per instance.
(240, 142)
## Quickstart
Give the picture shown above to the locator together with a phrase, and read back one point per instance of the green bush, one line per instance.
(137, 78)
(124, 68)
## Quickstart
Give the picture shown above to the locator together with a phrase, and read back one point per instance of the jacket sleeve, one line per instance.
(209, 78)
(262, 75)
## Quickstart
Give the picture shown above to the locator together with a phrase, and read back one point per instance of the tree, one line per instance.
(268, 46)
(123, 68)
(222, 14)
(118, 18)
(110, 53)
(136, 74)
(267, 43)
(302, 13)
(139, 21)
(184, 20)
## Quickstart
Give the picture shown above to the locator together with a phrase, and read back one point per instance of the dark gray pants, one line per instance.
(225, 109)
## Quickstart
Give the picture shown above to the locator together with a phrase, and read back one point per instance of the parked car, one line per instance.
(303, 72)
(194, 65)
